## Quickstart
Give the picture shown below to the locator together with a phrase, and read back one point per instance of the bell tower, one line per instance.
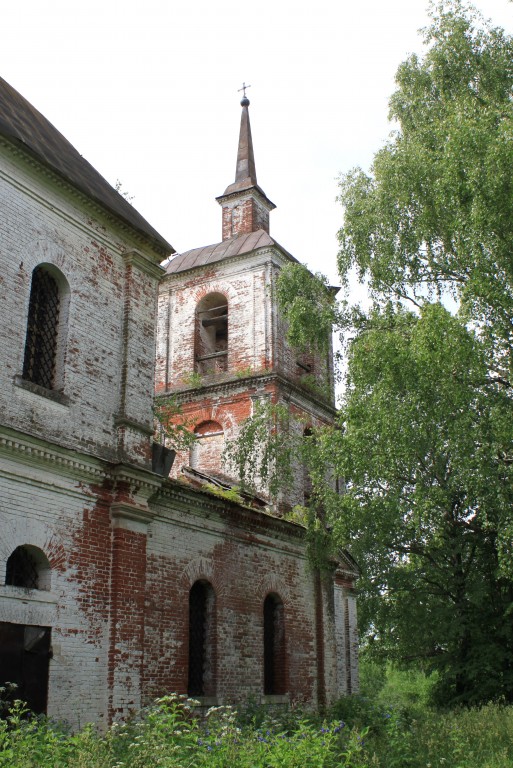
(221, 341)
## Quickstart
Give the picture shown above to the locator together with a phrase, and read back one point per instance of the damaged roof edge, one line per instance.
(25, 126)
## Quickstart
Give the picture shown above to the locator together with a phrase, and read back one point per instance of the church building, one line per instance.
(120, 579)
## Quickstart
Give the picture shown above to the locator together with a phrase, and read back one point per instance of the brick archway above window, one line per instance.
(207, 450)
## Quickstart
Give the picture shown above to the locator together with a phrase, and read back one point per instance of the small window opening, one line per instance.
(29, 568)
(212, 334)
(274, 647)
(307, 478)
(201, 635)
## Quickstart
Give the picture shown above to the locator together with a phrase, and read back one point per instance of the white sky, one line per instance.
(147, 92)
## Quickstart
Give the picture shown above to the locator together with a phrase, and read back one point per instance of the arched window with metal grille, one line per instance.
(275, 671)
(201, 675)
(28, 567)
(43, 362)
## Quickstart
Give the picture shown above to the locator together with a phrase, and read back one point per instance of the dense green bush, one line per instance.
(393, 728)
(167, 734)
(406, 731)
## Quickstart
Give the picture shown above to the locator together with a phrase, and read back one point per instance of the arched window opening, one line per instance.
(211, 334)
(43, 362)
(201, 678)
(307, 478)
(274, 647)
(207, 449)
(28, 567)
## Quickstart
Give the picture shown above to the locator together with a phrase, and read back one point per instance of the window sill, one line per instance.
(36, 389)
(205, 701)
(27, 595)
(275, 698)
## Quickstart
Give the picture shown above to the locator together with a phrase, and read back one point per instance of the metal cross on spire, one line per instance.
(244, 86)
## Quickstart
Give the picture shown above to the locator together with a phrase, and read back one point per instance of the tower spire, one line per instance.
(245, 171)
(245, 205)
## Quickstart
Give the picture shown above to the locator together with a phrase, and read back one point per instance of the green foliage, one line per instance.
(426, 427)
(168, 735)
(268, 451)
(427, 501)
(264, 450)
(172, 424)
(309, 307)
(362, 733)
(230, 494)
(434, 214)
(243, 373)
(404, 731)
(193, 380)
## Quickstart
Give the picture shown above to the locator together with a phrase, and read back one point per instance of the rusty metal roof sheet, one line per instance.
(22, 124)
(236, 246)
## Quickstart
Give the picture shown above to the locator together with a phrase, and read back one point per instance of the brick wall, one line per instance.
(109, 349)
(124, 546)
(244, 560)
(242, 216)
(259, 362)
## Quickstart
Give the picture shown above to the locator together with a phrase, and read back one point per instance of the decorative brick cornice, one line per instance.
(33, 450)
(140, 481)
(226, 384)
(121, 420)
(246, 518)
(137, 259)
(245, 194)
(123, 511)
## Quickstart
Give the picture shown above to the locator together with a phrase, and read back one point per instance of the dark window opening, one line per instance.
(42, 330)
(201, 655)
(22, 570)
(307, 478)
(212, 334)
(29, 568)
(274, 647)
(25, 654)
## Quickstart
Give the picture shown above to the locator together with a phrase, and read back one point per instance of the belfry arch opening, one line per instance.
(211, 334)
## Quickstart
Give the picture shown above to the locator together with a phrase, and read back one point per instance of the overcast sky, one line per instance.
(147, 92)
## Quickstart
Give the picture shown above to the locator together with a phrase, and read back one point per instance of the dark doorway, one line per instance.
(24, 659)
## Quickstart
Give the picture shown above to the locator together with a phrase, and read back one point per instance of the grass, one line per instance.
(391, 725)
